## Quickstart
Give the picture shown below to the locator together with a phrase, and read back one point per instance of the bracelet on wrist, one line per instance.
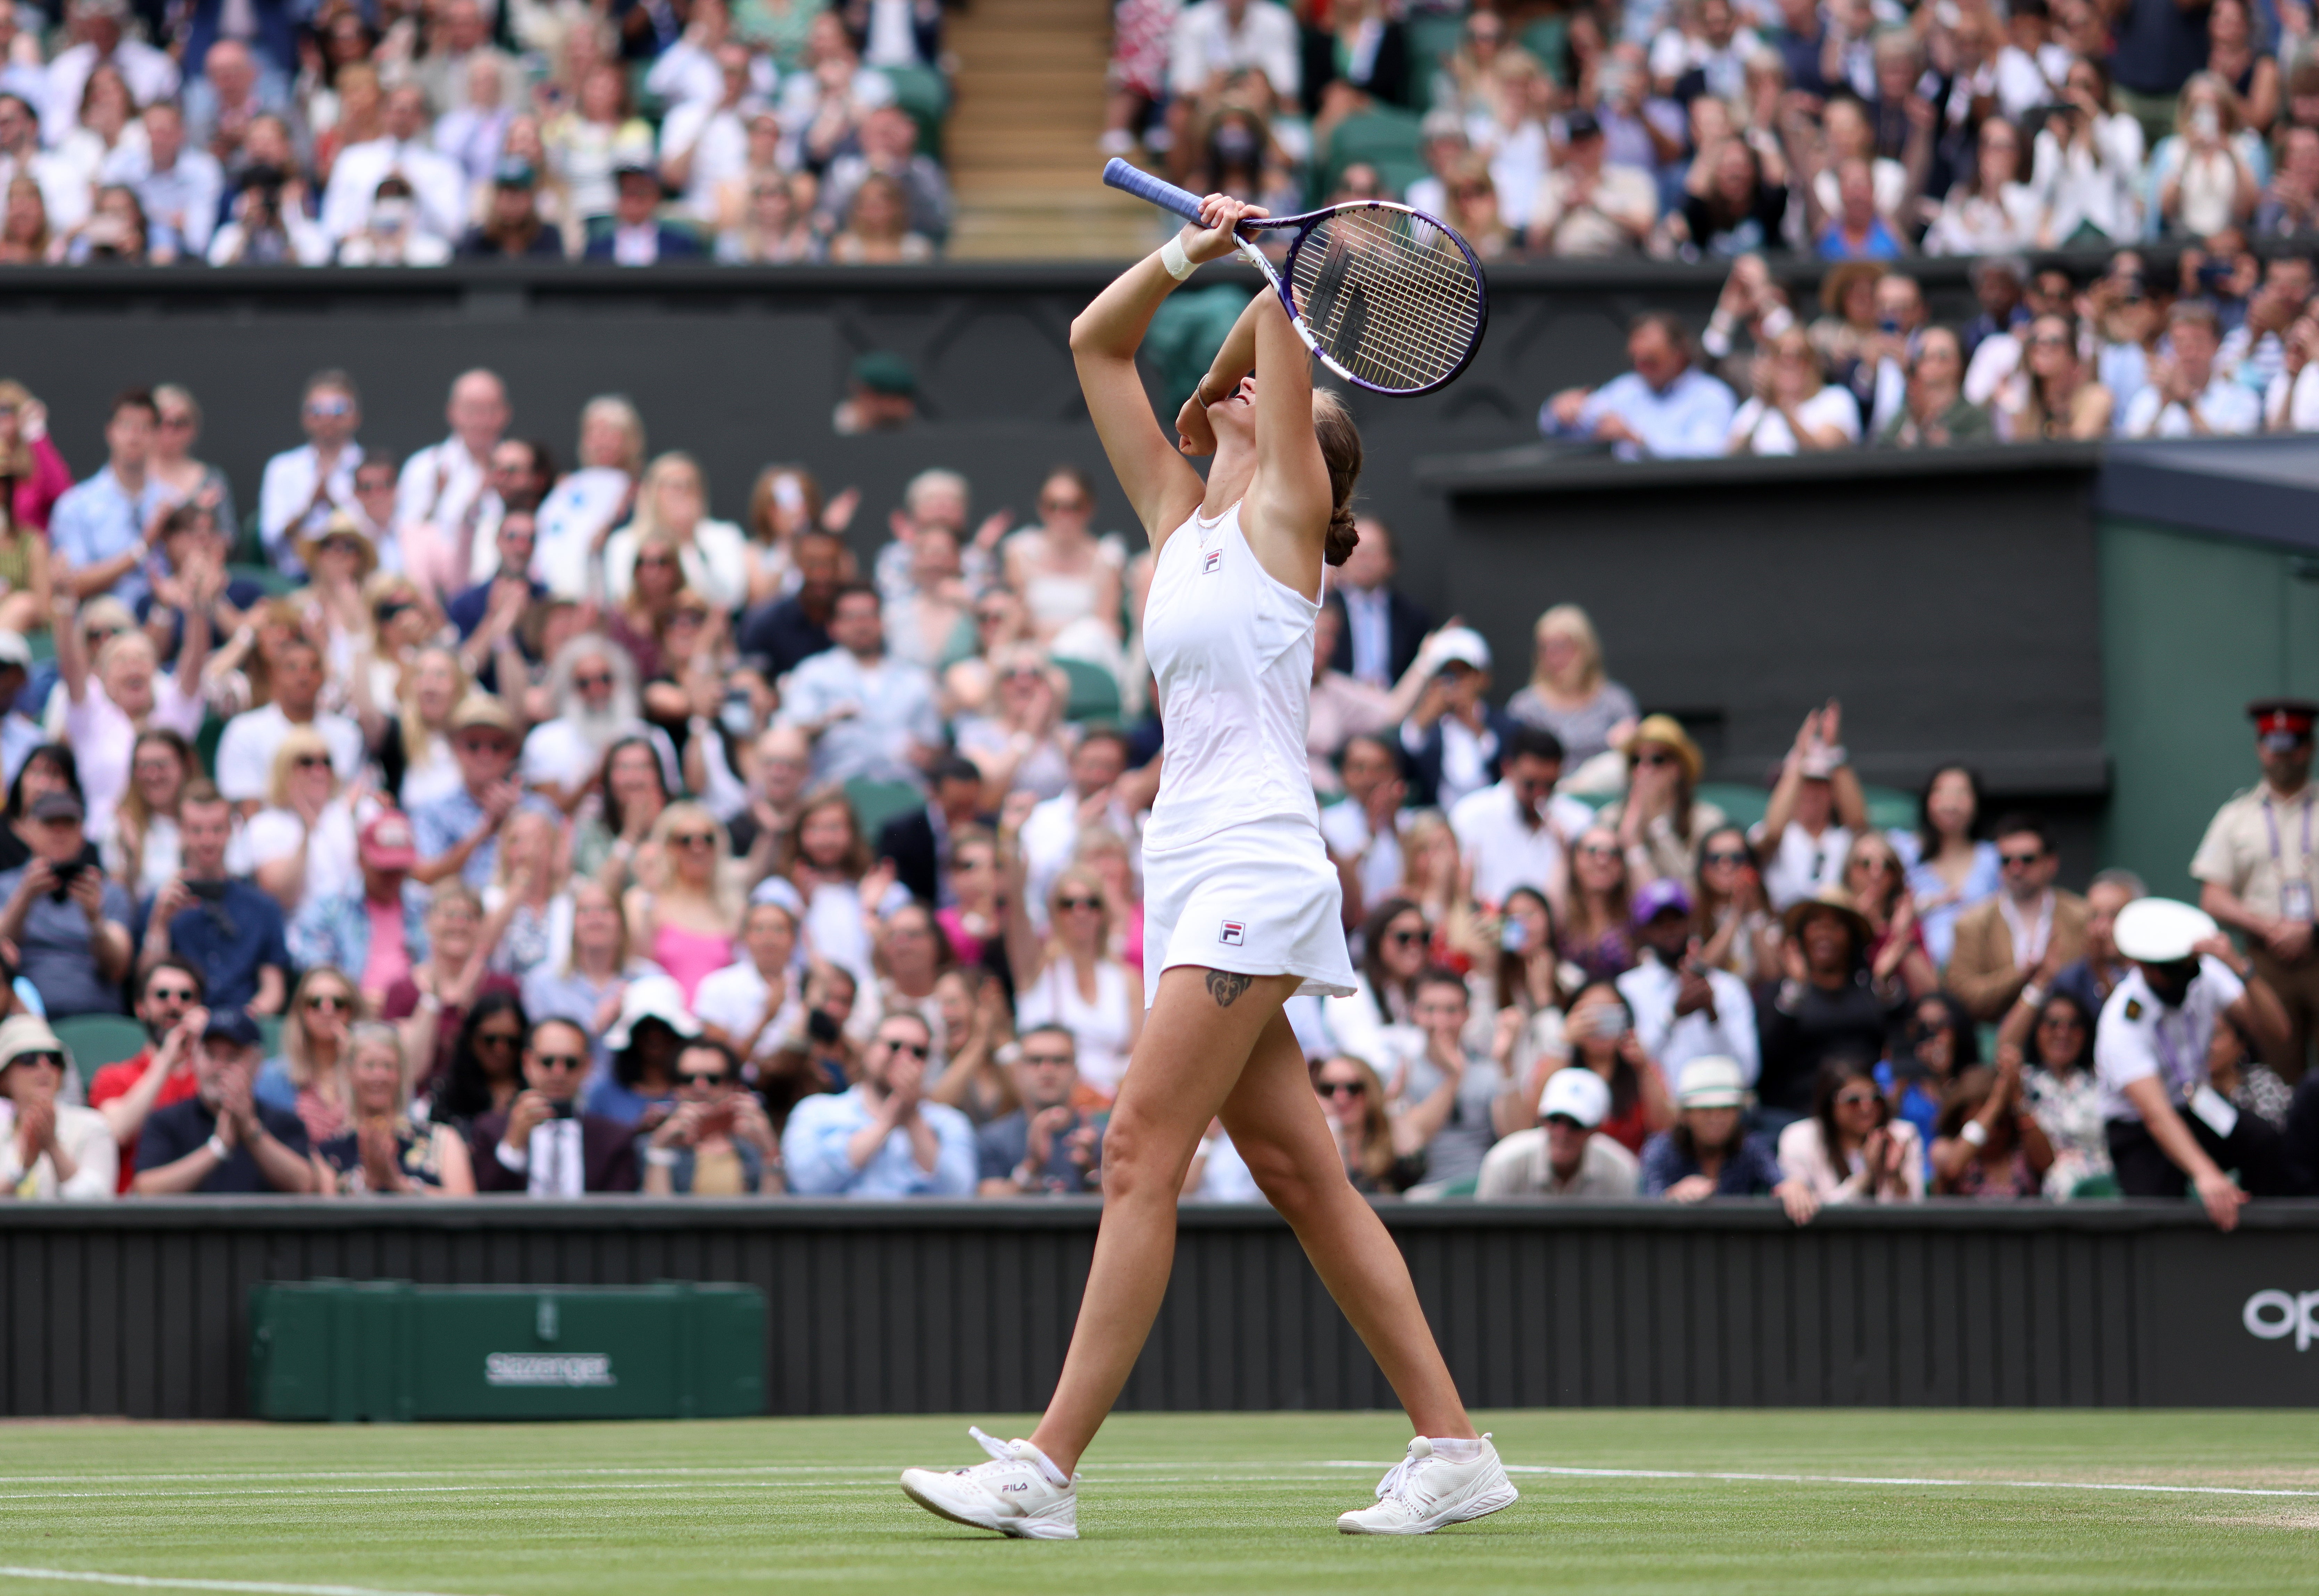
(1974, 1134)
(216, 1148)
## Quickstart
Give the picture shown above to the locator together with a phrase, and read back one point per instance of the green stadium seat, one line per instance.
(43, 645)
(877, 802)
(265, 576)
(2097, 1187)
(1186, 330)
(1094, 691)
(269, 1034)
(1548, 39)
(95, 1041)
(1384, 137)
(1432, 40)
(925, 93)
(1889, 808)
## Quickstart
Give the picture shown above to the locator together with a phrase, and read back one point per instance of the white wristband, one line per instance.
(217, 1148)
(661, 1158)
(1974, 1134)
(1179, 265)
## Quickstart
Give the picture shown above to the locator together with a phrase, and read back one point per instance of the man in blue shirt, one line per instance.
(458, 833)
(1664, 408)
(229, 930)
(883, 1138)
(100, 528)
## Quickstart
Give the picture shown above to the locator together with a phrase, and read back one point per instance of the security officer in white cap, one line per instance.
(2168, 1128)
(2257, 867)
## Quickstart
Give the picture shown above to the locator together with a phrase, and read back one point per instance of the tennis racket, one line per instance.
(1388, 298)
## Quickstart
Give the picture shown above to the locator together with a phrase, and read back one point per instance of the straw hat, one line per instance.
(340, 524)
(1667, 732)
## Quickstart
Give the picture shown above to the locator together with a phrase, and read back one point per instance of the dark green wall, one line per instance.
(2193, 626)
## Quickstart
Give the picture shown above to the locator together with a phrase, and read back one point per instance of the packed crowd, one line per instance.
(390, 132)
(551, 835)
(2224, 350)
(1855, 130)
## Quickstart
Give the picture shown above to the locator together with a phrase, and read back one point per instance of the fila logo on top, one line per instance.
(1234, 934)
(1214, 563)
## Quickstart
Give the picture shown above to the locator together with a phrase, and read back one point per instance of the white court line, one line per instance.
(155, 1583)
(1674, 1473)
(1185, 1471)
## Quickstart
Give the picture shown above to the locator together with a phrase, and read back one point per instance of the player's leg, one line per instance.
(1451, 1475)
(1195, 1040)
(1277, 1126)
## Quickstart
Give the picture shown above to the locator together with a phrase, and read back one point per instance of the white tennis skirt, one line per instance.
(1259, 898)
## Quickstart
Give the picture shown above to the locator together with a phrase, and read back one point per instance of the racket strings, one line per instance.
(1389, 298)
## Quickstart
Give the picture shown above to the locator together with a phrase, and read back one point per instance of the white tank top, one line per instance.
(1232, 648)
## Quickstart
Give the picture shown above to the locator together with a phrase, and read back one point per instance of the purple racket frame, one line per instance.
(1117, 174)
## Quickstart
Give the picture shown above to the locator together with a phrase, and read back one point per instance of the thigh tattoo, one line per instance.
(1225, 986)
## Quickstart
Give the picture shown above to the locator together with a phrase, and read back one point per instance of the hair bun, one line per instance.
(1337, 543)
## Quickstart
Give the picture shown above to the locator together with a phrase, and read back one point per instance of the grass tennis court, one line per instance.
(1208, 1503)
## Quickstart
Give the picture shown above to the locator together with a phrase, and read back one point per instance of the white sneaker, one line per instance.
(1011, 1494)
(1422, 1493)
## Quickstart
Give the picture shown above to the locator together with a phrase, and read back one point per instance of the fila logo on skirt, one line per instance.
(1234, 934)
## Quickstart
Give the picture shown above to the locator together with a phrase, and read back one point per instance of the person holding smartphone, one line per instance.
(541, 1145)
(69, 921)
(718, 1142)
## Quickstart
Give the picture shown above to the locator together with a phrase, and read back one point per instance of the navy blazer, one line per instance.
(675, 244)
(1406, 622)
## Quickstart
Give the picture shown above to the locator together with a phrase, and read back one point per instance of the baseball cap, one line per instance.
(14, 650)
(1581, 124)
(2160, 930)
(388, 842)
(883, 372)
(233, 1025)
(1711, 1082)
(1577, 1093)
(58, 805)
(1665, 896)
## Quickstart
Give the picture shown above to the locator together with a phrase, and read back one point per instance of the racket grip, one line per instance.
(1119, 175)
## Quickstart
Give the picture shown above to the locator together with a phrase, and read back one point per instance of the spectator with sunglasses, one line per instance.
(305, 1078)
(2023, 935)
(296, 674)
(882, 1138)
(1046, 1147)
(458, 834)
(168, 1004)
(1935, 414)
(541, 1144)
(1849, 1148)
(49, 1148)
(303, 487)
(2052, 1044)
(227, 929)
(717, 1143)
(1353, 1098)
(1737, 932)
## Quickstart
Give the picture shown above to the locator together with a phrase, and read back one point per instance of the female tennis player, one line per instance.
(1241, 908)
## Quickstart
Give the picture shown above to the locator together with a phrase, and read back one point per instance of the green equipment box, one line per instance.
(390, 1351)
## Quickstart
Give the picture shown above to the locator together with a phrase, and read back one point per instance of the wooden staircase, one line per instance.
(1026, 111)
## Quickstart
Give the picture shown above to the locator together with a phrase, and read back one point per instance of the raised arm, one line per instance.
(1105, 338)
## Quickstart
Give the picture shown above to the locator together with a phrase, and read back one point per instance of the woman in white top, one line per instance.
(579, 513)
(1023, 745)
(1242, 906)
(141, 851)
(713, 555)
(434, 684)
(1995, 212)
(49, 1149)
(533, 871)
(2088, 167)
(126, 693)
(301, 847)
(1071, 979)
(1069, 581)
(2206, 174)
(1875, 1156)
(1794, 410)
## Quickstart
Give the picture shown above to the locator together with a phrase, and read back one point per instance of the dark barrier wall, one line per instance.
(141, 1308)
(744, 366)
(1950, 598)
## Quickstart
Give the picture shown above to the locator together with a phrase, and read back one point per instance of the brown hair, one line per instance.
(1340, 451)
